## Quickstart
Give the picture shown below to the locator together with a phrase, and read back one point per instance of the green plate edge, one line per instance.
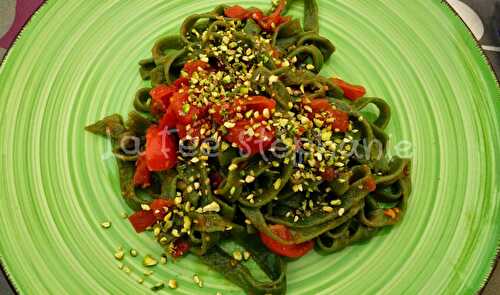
(475, 46)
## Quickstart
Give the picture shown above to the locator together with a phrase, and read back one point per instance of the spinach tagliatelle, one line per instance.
(240, 138)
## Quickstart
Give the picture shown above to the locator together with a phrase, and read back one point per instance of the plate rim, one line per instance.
(494, 259)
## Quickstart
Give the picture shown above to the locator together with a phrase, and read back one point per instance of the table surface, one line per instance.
(482, 17)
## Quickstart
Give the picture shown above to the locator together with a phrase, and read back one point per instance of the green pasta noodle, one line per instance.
(240, 138)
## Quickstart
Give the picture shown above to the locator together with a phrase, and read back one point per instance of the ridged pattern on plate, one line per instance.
(77, 62)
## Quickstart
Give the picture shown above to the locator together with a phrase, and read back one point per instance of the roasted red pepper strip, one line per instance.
(323, 106)
(329, 175)
(142, 176)
(181, 247)
(158, 207)
(292, 251)
(352, 92)
(161, 150)
(141, 220)
(195, 66)
(268, 23)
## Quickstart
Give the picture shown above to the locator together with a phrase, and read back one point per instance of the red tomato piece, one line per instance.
(157, 108)
(279, 9)
(158, 207)
(194, 66)
(330, 174)
(181, 247)
(370, 184)
(160, 149)
(184, 112)
(259, 103)
(194, 130)
(352, 92)
(236, 12)
(341, 122)
(256, 14)
(168, 120)
(322, 105)
(261, 142)
(142, 175)
(162, 94)
(141, 220)
(220, 110)
(292, 251)
(181, 82)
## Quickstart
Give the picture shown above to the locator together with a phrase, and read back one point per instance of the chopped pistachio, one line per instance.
(277, 184)
(106, 224)
(149, 261)
(126, 269)
(341, 211)
(158, 286)
(328, 209)
(246, 255)
(212, 207)
(237, 255)
(133, 252)
(175, 233)
(273, 79)
(119, 254)
(198, 281)
(249, 179)
(335, 202)
(145, 207)
(172, 284)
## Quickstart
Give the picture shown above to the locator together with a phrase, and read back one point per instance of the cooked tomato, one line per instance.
(160, 149)
(157, 108)
(194, 66)
(181, 82)
(141, 220)
(222, 110)
(181, 247)
(370, 184)
(158, 207)
(185, 112)
(162, 93)
(292, 251)
(268, 23)
(258, 103)
(322, 105)
(168, 120)
(351, 91)
(260, 142)
(142, 176)
(236, 12)
(330, 174)
(341, 122)
(194, 130)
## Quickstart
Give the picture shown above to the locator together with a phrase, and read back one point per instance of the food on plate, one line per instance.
(240, 138)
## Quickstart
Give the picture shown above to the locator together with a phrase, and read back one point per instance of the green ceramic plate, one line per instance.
(76, 61)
